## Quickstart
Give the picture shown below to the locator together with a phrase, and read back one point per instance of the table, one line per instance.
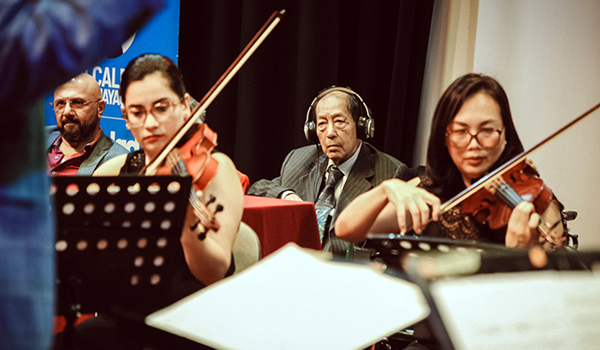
(277, 222)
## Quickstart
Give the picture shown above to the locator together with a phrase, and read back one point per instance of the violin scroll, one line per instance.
(206, 219)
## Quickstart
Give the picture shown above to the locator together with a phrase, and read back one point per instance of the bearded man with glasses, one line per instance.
(77, 145)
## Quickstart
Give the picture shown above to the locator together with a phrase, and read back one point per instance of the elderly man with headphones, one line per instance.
(339, 165)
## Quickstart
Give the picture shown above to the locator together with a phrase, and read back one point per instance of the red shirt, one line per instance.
(70, 166)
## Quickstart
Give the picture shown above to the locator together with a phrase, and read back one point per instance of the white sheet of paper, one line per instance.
(526, 310)
(294, 300)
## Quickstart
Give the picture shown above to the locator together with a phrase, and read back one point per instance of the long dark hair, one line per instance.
(445, 178)
(149, 63)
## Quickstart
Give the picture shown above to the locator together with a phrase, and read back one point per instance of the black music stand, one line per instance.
(118, 243)
(403, 255)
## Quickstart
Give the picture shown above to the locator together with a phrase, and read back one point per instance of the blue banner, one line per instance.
(160, 35)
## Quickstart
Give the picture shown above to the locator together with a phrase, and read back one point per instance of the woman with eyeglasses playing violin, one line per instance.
(472, 134)
(155, 106)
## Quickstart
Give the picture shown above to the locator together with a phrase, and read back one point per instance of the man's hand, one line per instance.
(292, 197)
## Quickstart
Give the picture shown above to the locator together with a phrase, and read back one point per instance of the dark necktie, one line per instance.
(326, 201)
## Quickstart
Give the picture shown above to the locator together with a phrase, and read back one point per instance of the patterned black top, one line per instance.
(134, 163)
(457, 225)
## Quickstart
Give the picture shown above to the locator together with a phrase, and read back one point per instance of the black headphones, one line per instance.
(365, 125)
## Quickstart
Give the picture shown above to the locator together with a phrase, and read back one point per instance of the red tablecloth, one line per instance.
(277, 222)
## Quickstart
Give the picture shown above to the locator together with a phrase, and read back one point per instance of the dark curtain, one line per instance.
(376, 47)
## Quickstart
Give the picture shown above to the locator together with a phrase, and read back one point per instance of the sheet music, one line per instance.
(295, 300)
(525, 310)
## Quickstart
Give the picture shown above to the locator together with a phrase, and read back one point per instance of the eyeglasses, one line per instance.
(461, 138)
(76, 103)
(161, 111)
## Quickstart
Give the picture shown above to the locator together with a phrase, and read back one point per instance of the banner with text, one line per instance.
(160, 35)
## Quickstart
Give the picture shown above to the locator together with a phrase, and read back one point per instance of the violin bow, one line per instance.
(487, 179)
(209, 97)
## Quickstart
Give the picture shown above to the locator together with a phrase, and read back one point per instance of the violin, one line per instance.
(493, 197)
(511, 183)
(193, 158)
(494, 203)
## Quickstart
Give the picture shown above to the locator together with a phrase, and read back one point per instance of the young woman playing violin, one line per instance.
(472, 134)
(155, 106)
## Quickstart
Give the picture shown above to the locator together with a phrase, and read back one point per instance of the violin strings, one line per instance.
(508, 195)
(175, 162)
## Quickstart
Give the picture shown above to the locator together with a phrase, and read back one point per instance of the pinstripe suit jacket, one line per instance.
(303, 171)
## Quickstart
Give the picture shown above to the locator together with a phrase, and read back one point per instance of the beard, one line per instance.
(74, 132)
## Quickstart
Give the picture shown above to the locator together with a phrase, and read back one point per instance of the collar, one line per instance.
(346, 166)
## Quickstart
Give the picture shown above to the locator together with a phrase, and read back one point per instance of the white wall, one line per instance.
(546, 54)
(449, 55)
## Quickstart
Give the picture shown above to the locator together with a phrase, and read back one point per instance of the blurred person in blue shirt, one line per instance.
(42, 44)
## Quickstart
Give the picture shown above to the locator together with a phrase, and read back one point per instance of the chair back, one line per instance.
(246, 248)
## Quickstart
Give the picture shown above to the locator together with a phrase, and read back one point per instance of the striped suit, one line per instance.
(303, 171)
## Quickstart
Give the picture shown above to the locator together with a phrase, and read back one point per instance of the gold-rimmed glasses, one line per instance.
(135, 116)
